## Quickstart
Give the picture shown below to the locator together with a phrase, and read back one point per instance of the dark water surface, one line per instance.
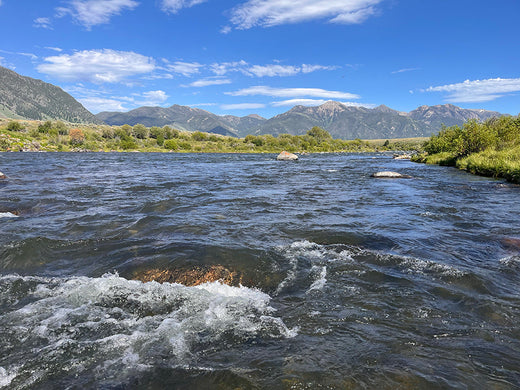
(352, 282)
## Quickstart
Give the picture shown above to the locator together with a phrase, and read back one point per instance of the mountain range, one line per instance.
(341, 121)
(27, 98)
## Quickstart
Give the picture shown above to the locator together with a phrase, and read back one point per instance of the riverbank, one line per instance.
(49, 136)
(491, 148)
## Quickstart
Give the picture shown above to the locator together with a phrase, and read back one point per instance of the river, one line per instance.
(349, 282)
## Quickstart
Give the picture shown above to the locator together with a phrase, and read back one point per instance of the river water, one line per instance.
(350, 282)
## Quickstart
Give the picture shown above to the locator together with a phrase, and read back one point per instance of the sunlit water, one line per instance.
(350, 282)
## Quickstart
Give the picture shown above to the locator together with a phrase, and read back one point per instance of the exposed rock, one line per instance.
(2, 176)
(286, 156)
(513, 243)
(402, 156)
(390, 175)
(191, 276)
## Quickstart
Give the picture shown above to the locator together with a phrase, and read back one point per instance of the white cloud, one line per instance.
(405, 70)
(153, 98)
(267, 13)
(269, 70)
(98, 104)
(185, 68)
(59, 50)
(43, 23)
(174, 6)
(477, 91)
(93, 12)
(97, 66)
(315, 102)
(209, 82)
(293, 93)
(273, 70)
(299, 102)
(242, 106)
(227, 67)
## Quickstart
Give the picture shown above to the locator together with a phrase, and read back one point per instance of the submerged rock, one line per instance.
(191, 276)
(390, 175)
(402, 156)
(286, 156)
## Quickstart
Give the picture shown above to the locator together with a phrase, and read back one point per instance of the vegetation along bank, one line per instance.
(489, 148)
(57, 136)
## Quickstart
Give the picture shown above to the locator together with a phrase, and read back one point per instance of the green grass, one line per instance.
(490, 148)
(504, 163)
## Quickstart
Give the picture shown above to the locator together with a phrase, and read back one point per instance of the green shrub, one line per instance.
(15, 126)
(170, 144)
(198, 136)
(184, 145)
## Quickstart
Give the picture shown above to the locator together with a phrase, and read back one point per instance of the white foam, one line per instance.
(129, 323)
(6, 377)
(320, 280)
(8, 215)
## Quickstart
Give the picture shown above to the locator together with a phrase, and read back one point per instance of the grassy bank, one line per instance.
(56, 136)
(490, 148)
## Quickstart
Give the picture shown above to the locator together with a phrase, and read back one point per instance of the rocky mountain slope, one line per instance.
(341, 121)
(27, 98)
(184, 118)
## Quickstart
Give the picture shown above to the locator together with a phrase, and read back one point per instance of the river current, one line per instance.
(349, 282)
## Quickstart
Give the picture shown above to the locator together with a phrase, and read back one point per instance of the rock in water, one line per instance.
(390, 175)
(191, 276)
(2, 176)
(286, 156)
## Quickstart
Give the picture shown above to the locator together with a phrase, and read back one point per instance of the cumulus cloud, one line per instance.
(477, 91)
(174, 6)
(242, 106)
(267, 13)
(97, 66)
(43, 23)
(153, 98)
(293, 93)
(94, 12)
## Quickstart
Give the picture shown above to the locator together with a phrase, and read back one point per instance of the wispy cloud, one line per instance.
(242, 106)
(90, 13)
(267, 13)
(209, 82)
(477, 91)
(59, 50)
(29, 55)
(97, 66)
(185, 68)
(315, 102)
(405, 70)
(269, 70)
(43, 23)
(174, 6)
(293, 93)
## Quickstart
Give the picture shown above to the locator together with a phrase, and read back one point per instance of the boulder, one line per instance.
(402, 156)
(191, 276)
(390, 175)
(286, 156)
(2, 176)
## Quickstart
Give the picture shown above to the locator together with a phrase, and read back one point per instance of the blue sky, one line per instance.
(265, 56)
